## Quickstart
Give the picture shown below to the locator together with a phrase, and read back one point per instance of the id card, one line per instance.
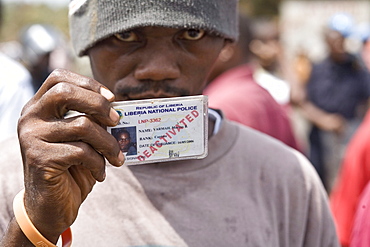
(159, 130)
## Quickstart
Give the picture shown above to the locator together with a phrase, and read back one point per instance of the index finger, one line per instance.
(62, 75)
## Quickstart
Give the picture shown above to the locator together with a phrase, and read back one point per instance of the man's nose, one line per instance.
(159, 62)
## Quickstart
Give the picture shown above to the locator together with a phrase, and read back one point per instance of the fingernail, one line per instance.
(114, 115)
(106, 93)
(121, 158)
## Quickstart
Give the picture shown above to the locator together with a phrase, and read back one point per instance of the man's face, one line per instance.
(155, 62)
(124, 142)
(335, 42)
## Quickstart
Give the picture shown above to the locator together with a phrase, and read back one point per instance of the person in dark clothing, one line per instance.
(338, 88)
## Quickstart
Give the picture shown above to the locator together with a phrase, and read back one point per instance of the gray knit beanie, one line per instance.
(95, 20)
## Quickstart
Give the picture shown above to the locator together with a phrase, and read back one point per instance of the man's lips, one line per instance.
(149, 90)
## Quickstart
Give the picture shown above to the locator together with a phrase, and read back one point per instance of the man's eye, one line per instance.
(127, 36)
(193, 34)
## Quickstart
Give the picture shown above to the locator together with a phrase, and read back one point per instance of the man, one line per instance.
(234, 90)
(124, 141)
(250, 190)
(268, 51)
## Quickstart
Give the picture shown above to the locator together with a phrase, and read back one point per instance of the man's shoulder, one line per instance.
(265, 152)
(248, 137)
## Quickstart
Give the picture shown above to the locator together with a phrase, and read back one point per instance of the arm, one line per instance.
(322, 119)
(63, 158)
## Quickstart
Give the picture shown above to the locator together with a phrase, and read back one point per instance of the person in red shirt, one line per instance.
(233, 89)
(353, 178)
(360, 236)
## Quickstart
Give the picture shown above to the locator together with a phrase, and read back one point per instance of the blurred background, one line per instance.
(35, 33)
(300, 22)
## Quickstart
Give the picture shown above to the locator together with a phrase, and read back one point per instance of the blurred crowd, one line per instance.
(319, 108)
(25, 63)
(316, 107)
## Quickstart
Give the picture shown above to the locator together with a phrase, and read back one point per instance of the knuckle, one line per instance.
(22, 121)
(57, 74)
(80, 151)
(61, 91)
(82, 125)
(28, 131)
(25, 132)
(85, 155)
(27, 113)
(27, 106)
(88, 83)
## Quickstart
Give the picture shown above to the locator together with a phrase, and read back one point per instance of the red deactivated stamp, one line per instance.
(159, 130)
